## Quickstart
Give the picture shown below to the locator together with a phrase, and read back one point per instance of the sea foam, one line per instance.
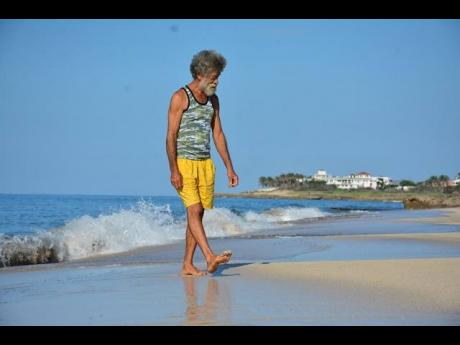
(144, 224)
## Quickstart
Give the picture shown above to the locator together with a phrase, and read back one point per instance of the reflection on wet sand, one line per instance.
(215, 306)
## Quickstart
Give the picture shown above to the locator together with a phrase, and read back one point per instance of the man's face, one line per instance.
(208, 84)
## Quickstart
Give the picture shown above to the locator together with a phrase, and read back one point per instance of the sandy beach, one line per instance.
(431, 284)
(450, 216)
(394, 268)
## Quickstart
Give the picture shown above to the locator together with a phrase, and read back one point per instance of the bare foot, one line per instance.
(190, 270)
(219, 259)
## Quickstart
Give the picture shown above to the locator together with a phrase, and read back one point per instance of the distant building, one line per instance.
(353, 181)
(320, 175)
(405, 188)
(453, 182)
(267, 189)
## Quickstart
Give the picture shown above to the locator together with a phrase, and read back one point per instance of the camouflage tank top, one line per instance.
(193, 139)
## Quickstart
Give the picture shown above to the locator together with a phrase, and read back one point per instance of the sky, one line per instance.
(83, 103)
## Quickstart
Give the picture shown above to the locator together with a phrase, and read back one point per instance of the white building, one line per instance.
(352, 181)
(405, 188)
(453, 182)
(267, 189)
(320, 175)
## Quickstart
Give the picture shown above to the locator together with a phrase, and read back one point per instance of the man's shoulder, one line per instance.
(179, 100)
(180, 95)
(180, 92)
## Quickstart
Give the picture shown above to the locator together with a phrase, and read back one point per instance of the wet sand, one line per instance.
(431, 284)
(450, 216)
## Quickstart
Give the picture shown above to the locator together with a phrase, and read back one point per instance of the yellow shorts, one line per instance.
(198, 178)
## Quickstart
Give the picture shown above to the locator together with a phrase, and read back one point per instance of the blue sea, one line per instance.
(55, 228)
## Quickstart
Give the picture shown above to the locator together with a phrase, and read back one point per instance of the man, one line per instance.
(193, 112)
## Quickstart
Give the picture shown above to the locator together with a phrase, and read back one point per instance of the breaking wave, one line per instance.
(144, 224)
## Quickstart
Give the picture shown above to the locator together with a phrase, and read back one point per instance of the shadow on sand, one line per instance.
(222, 268)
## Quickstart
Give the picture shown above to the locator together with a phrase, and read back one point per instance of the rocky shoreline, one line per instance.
(411, 200)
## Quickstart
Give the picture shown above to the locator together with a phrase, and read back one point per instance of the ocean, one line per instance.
(37, 229)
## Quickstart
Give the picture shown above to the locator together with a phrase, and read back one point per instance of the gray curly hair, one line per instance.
(207, 61)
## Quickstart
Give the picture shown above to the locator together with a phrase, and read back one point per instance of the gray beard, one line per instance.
(208, 90)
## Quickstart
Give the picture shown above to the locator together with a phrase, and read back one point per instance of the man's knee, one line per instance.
(195, 210)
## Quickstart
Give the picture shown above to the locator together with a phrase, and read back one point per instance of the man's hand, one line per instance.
(176, 179)
(232, 179)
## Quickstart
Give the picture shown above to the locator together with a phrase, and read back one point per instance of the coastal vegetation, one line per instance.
(299, 182)
(434, 192)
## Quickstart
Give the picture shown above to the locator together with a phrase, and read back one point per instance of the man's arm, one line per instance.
(176, 106)
(221, 143)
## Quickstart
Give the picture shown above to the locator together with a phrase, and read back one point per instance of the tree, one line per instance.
(443, 180)
(432, 181)
(404, 183)
(437, 183)
(380, 184)
(288, 180)
(263, 181)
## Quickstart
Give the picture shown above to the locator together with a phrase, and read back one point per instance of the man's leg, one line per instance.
(190, 245)
(195, 215)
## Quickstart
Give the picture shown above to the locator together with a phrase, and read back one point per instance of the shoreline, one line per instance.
(340, 277)
(411, 200)
(163, 252)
